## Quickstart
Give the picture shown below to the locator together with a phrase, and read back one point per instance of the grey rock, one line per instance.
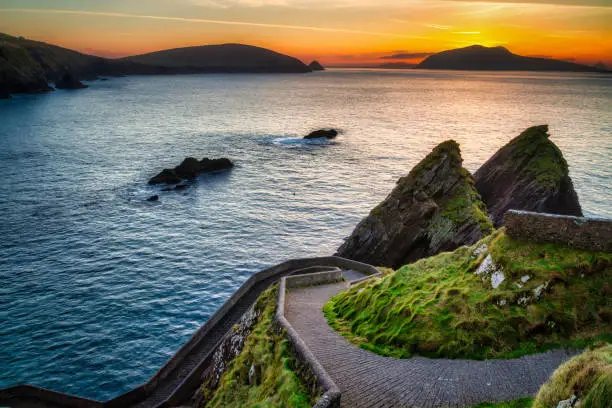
(434, 208)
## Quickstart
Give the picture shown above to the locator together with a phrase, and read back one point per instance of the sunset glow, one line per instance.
(336, 32)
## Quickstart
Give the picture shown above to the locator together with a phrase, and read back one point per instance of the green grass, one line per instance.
(519, 403)
(278, 379)
(587, 376)
(439, 307)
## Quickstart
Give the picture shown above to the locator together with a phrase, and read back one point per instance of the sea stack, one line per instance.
(316, 66)
(529, 173)
(434, 208)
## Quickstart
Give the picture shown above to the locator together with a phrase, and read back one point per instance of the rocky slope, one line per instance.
(19, 72)
(477, 57)
(529, 173)
(434, 208)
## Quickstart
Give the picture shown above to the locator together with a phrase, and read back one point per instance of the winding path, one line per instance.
(369, 380)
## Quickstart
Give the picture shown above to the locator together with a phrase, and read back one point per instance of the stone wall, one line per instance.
(593, 234)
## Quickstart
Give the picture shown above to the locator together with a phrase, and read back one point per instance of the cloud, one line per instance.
(207, 21)
(467, 32)
(578, 3)
(406, 55)
(438, 27)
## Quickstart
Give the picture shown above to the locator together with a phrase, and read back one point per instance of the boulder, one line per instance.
(316, 66)
(434, 208)
(529, 173)
(153, 198)
(189, 169)
(69, 81)
(326, 133)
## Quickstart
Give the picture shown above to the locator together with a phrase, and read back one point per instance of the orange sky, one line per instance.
(336, 32)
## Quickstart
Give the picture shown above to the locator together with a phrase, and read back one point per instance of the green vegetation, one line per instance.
(546, 161)
(588, 377)
(519, 403)
(550, 296)
(275, 379)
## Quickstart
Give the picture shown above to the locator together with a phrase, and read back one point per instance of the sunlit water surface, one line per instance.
(99, 287)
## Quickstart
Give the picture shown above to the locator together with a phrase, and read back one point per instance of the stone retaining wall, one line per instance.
(315, 278)
(593, 234)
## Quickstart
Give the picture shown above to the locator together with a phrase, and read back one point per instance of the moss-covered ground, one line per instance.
(519, 403)
(275, 379)
(551, 296)
(588, 377)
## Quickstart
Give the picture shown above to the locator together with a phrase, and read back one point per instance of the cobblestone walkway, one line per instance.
(369, 380)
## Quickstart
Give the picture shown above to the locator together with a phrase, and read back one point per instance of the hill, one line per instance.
(224, 58)
(477, 57)
(26, 66)
(499, 298)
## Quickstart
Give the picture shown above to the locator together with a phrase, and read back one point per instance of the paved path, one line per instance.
(369, 380)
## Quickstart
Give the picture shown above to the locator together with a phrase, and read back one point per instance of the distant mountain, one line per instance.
(477, 57)
(226, 58)
(27, 66)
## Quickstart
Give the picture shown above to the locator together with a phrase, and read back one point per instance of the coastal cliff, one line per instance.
(434, 208)
(19, 72)
(529, 173)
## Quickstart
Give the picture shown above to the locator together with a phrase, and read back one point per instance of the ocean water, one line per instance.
(100, 287)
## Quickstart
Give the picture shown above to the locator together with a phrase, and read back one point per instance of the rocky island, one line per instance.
(189, 169)
(478, 57)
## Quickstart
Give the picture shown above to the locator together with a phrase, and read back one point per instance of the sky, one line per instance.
(335, 32)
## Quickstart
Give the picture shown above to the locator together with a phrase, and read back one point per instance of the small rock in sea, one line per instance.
(182, 187)
(322, 133)
(69, 81)
(153, 198)
(4, 95)
(189, 169)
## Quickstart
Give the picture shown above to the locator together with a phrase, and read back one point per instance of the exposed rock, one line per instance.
(434, 208)
(189, 169)
(529, 173)
(316, 66)
(153, 198)
(489, 270)
(69, 81)
(326, 133)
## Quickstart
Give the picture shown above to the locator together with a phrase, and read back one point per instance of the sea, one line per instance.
(99, 287)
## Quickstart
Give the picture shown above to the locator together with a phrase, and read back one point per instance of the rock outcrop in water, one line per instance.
(316, 66)
(322, 133)
(434, 208)
(189, 169)
(69, 81)
(529, 173)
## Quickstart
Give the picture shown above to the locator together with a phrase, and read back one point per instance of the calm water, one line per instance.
(99, 288)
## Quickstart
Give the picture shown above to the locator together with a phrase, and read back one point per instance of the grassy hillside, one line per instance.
(19, 72)
(275, 380)
(586, 378)
(500, 298)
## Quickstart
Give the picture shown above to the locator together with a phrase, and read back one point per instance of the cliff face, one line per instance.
(529, 173)
(434, 208)
(19, 72)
